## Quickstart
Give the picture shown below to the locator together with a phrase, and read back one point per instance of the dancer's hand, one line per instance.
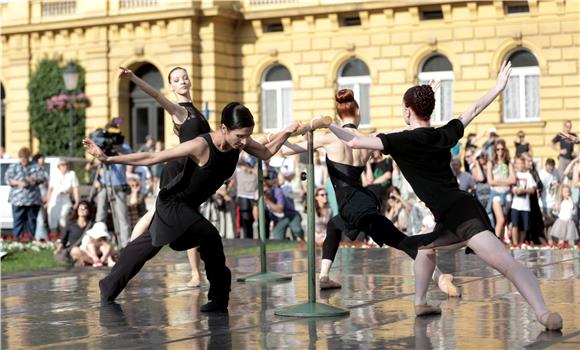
(125, 73)
(94, 150)
(503, 76)
(569, 138)
(292, 128)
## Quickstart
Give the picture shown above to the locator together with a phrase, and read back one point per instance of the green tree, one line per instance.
(52, 127)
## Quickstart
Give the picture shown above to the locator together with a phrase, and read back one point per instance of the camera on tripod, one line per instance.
(107, 138)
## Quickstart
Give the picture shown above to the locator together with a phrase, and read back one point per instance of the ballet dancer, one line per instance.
(211, 159)
(359, 208)
(423, 155)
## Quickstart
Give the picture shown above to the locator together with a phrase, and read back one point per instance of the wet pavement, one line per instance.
(61, 310)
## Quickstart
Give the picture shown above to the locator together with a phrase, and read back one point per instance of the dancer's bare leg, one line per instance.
(143, 224)
(194, 261)
(424, 266)
(492, 251)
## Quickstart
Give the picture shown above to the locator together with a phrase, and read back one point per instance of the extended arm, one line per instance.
(175, 110)
(479, 105)
(273, 146)
(192, 149)
(289, 149)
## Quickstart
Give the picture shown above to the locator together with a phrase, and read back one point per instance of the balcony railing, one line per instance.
(270, 2)
(58, 8)
(131, 4)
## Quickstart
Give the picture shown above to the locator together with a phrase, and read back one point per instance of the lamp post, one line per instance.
(71, 79)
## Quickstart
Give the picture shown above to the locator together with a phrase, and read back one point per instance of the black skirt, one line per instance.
(355, 204)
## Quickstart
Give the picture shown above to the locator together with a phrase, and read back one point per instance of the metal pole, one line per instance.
(310, 213)
(261, 217)
(264, 275)
(311, 308)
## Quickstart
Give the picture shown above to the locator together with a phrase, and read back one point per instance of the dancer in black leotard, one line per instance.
(188, 123)
(423, 155)
(211, 159)
(359, 208)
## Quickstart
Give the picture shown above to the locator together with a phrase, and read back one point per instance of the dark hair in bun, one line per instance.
(346, 105)
(421, 99)
(236, 116)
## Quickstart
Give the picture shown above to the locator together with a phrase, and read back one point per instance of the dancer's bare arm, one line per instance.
(177, 111)
(479, 105)
(194, 149)
(360, 142)
(273, 146)
(289, 149)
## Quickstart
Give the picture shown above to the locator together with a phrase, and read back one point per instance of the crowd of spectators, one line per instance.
(524, 201)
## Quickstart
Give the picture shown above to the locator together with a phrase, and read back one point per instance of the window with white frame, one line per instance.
(276, 98)
(354, 74)
(438, 67)
(521, 97)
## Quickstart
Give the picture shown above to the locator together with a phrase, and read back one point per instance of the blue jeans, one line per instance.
(24, 219)
(295, 225)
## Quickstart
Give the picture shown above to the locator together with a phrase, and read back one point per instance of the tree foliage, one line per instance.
(52, 127)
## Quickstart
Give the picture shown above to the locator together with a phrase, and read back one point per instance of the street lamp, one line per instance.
(71, 79)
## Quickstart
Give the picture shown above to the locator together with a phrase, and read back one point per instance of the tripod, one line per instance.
(110, 198)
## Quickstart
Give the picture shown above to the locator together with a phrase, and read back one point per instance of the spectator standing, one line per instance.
(535, 232)
(379, 173)
(42, 218)
(63, 185)
(501, 176)
(322, 215)
(469, 160)
(522, 146)
(550, 182)
(114, 177)
(564, 228)
(24, 178)
(149, 145)
(520, 209)
(489, 144)
(464, 178)
(479, 172)
(136, 201)
(564, 147)
(397, 209)
(246, 179)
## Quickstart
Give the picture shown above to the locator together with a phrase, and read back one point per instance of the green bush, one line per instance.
(52, 127)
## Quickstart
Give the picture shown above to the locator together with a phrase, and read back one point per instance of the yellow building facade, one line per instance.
(285, 59)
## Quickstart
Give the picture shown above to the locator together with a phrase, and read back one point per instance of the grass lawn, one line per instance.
(29, 261)
(44, 260)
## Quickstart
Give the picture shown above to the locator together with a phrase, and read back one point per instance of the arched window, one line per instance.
(521, 97)
(147, 116)
(354, 74)
(276, 98)
(438, 67)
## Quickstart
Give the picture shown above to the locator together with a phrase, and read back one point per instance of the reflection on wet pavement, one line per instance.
(158, 311)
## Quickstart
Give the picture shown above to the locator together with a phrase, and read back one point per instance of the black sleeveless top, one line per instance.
(194, 125)
(178, 202)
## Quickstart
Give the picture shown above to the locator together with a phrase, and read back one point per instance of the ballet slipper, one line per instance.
(327, 283)
(446, 285)
(426, 310)
(194, 282)
(552, 321)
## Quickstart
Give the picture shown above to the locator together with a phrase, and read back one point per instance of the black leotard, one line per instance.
(194, 125)
(178, 202)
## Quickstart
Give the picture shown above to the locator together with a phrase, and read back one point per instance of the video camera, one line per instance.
(108, 137)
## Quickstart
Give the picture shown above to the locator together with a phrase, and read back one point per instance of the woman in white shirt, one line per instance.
(62, 185)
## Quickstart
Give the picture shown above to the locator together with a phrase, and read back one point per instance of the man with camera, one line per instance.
(112, 182)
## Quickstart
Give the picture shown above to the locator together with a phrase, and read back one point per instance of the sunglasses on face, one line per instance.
(321, 194)
(500, 149)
